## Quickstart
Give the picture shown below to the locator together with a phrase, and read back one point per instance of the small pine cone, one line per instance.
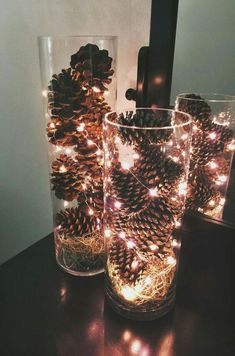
(128, 191)
(66, 178)
(76, 222)
(62, 132)
(196, 106)
(156, 170)
(155, 223)
(199, 194)
(90, 161)
(143, 119)
(92, 65)
(205, 148)
(126, 261)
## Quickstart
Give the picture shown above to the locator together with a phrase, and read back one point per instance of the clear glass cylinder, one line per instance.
(79, 87)
(145, 181)
(213, 145)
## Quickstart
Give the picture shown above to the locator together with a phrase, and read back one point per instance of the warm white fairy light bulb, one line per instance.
(90, 142)
(81, 127)
(177, 223)
(184, 136)
(63, 169)
(66, 203)
(153, 247)
(91, 212)
(128, 293)
(96, 90)
(171, 260)
(125, 165)
(231, 146)
(52, 125)
(153, 192)
(98, 152)
(182, 188)
(175, 159)
(122, 235)
(107, 233)
(222, 201)
(134, 265)
(130, 244)
(117, 204)
(212, 135)
(211, 203)
(58, 148)
(44, 93)
(213, 165)
(222, 178)
(136, 156)
(68, 151)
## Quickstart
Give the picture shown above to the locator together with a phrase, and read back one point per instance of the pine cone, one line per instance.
(93, 66)
(196, 106)
(199, 194)
(155, 223)
(205, 148)
(156, 170)
(128, 191)
(75, 222)
(126, 261)
(66, 178)
(143, 118)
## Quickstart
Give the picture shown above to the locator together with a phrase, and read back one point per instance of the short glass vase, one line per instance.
(147, 153)
(79, 87)
(213, 144)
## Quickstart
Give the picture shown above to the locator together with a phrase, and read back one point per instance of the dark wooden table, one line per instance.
(46, 312)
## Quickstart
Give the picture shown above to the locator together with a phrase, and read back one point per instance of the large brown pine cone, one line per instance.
(196, 106)
(133, 196)
(144, 118)
(93, 66)
(126, 261)
(200, 194)
(66, 178)
(75, 222)
(156, 170)
(155, 222)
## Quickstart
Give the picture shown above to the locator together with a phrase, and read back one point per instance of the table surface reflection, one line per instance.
(46, 312)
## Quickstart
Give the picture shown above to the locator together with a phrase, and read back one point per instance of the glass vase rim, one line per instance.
(64, 37)
(190, 119)
(207, 96)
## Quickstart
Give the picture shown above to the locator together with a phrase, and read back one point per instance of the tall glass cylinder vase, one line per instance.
(213, 144)
(79, 87)
(145, 181)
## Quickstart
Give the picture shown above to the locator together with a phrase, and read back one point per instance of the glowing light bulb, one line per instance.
(52, 125)
(106, 93)
(211, 203)
(153, 247)
(44, 93)
(126, 335)
(109, 163)
(68, 151)
(84, 186)
(58, 148)
(182, 188)
(222, 178)
(81, 127)
(212, 135)
(148, 280)
(66, 203)
(62, 169)
(58, 227)
(171, 260)
(122, 235)
(175, 159)
(136, 156)
(153, 192)
(125, 165)
(135, 347)
(213, 165)
(134, 265)
(184, 136)
(99, 152)
(91, 212)
(90, 142)
(107, 233)
(130, 244)
(222, 201)
(128, 293)
(231, 146)
(177, 224)
(170, 143)
(117, 204)
(183, 153)
(95, 89)
(175, 243)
